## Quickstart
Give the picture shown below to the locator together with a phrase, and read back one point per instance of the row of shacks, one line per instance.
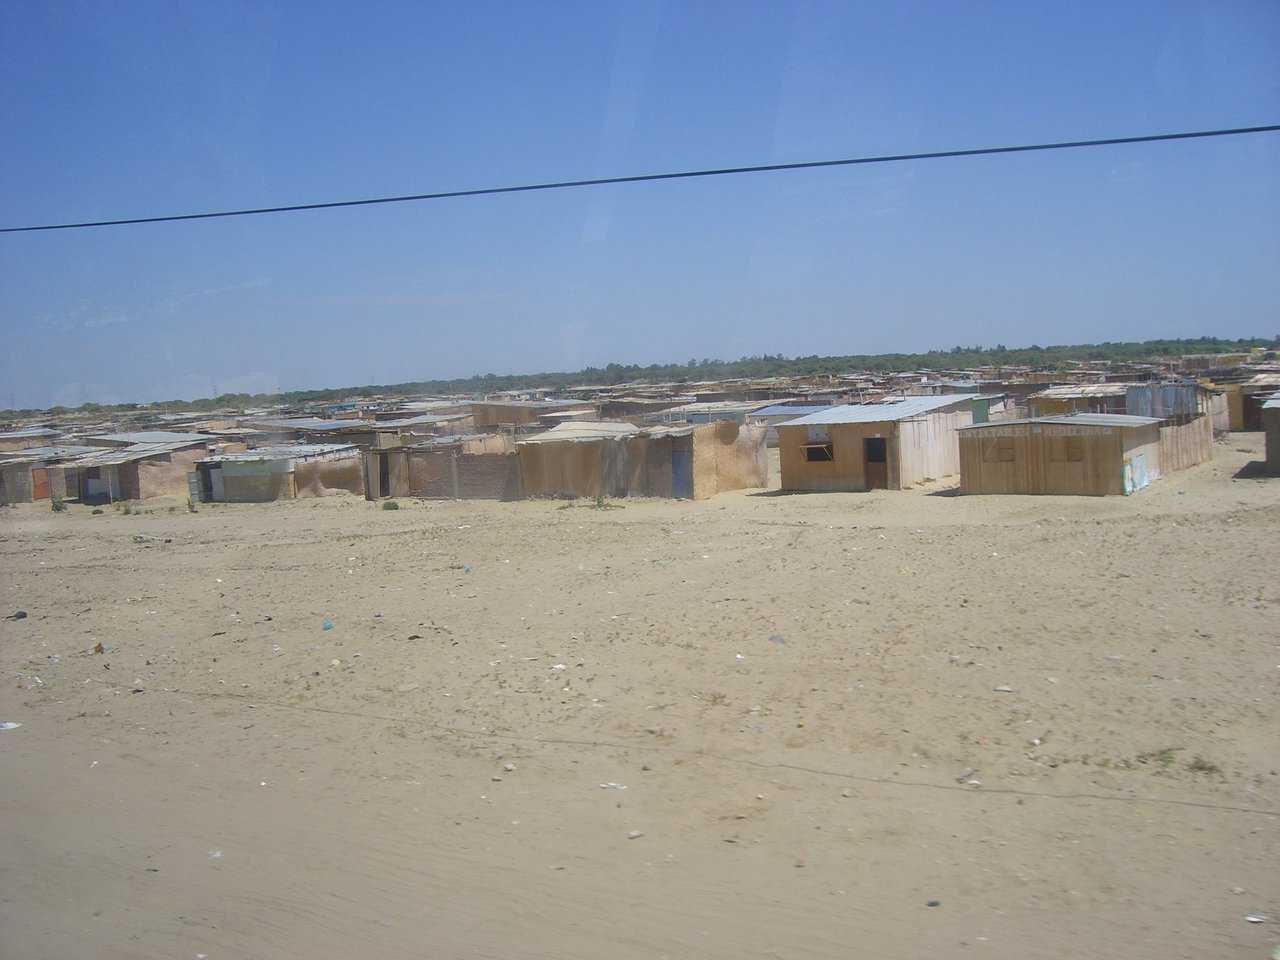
(1088, 439)
(898, 444)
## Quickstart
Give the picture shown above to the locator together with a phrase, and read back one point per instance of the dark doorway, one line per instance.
(384, 476)
(682, 469)
(875, 456)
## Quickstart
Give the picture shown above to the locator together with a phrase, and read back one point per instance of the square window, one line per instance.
(819, 453)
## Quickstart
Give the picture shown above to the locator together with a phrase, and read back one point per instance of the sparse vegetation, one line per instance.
(1163, 758)
(191, 505)
(390, 505)
(1201, 765)
(97, 511)
(126, 509)
(764, 365)
(56, 504)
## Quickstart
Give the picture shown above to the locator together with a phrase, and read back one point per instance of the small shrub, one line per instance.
(390, 505)
(126, 510)
(96, 511)
(173, 509)
(1201, 765)
(56, 504)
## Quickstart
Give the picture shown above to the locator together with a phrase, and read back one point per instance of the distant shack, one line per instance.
(874, 446)
(609, 459)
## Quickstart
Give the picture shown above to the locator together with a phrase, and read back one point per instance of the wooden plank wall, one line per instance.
(1185, 445)
(929, 447)
(1040, 464)
(847, 471)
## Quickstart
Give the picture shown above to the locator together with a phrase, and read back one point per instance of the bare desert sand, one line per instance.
(887, 725)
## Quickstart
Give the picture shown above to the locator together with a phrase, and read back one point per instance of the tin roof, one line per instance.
(293, 451)
(781, 410)
(903, 409)
(109, 456)
(28, 432)
(152, 436)
(1122, 420)
(576, 431)
(1073, 391)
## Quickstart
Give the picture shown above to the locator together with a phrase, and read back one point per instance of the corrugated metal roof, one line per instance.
(721, 406)
(576, 431)
(29, 432)
(46, 453)
(109, 456)
(881, 412)
(799, 410)
(151, 436)
(1273, 403)
(1075, 391)
(294, 451)
(1122, 420)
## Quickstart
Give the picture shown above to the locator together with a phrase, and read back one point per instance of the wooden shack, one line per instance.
(138, 471)
(606, 459)
(463, 467)
(1092, 454)
(870, 446)
(1080, 398)
(280, 473)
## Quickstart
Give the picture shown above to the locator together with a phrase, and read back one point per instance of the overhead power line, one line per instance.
(647, 177)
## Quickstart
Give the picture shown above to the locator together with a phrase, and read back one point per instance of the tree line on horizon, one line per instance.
(753, 367)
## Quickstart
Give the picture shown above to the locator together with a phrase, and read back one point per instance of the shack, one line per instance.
(279, 473)
(871, 446)
(25, 475)
(469, 467)
(1090, 454)
(609, 459)
(138, 471)
(1080, 398)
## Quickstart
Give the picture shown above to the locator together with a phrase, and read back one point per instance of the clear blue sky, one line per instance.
(149, 108)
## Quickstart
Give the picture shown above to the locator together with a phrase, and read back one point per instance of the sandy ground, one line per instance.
(756, 726)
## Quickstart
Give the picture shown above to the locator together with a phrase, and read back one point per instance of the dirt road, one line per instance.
(892, 725)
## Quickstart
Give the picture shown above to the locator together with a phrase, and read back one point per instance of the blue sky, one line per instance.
(150, 108)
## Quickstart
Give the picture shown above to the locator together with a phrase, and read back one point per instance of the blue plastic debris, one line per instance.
(328, 624)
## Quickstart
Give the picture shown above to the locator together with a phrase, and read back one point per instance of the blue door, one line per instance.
(681, 472)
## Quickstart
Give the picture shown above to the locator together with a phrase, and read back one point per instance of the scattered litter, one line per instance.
(215, 854)
(327, 625)
(777, 638)
(496, 779)
(10, 725)
(613, 785)
(335, 662)
(1256, 918)
(964, 777)
(99, 648)
(20, 615)
(1004, 689)
(933, 903)
(509, 767)
(558, 667)
(739, 657)
(466, 568)
(635, 835)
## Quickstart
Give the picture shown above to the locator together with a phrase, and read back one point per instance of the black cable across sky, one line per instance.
(647, 177)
